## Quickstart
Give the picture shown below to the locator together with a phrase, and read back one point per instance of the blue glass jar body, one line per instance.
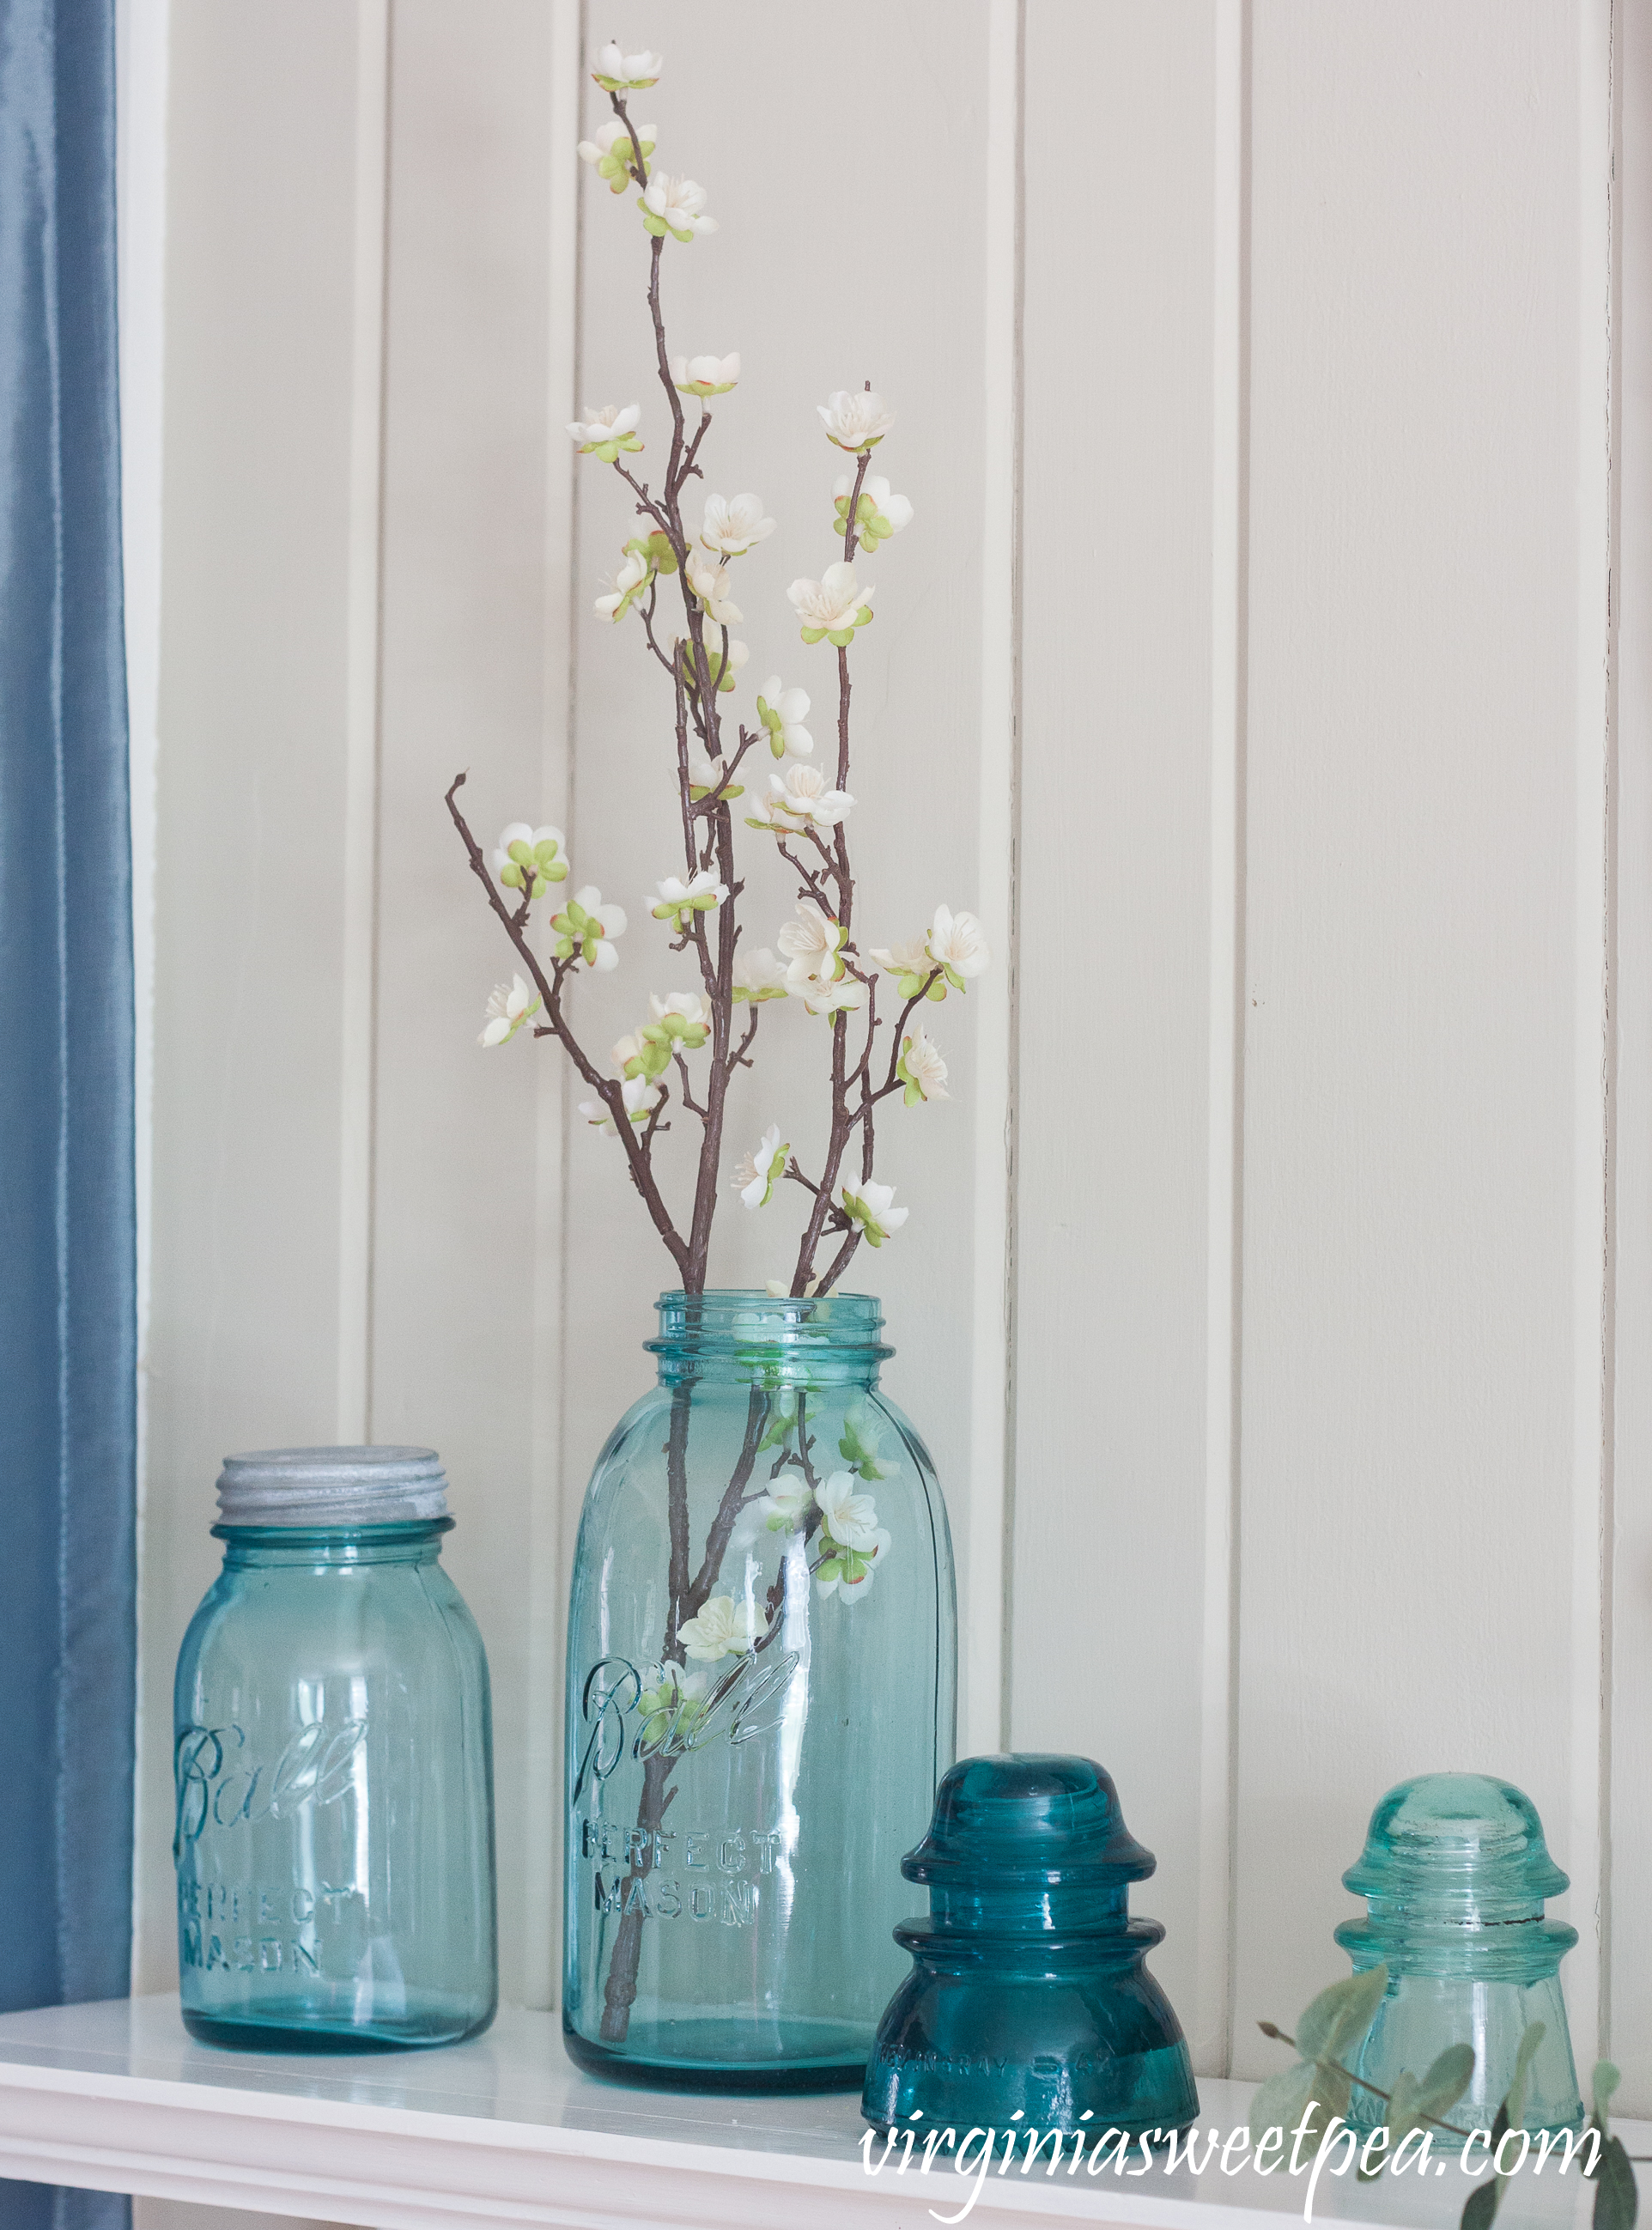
(333, 1780)
(758, 1707)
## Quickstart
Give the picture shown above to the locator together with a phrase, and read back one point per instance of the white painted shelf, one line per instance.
(504, 2131)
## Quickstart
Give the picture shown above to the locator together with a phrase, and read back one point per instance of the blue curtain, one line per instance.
(68, 1643)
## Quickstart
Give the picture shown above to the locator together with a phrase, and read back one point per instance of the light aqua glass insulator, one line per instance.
(760, 1682)
(333, 1831)
(1454, 1874)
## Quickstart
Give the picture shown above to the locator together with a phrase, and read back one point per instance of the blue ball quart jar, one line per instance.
(333, 1832)
(1028, 2006)
(1454, 1874)
(760, 1682)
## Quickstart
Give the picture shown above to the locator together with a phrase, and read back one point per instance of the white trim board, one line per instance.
(114, 2098)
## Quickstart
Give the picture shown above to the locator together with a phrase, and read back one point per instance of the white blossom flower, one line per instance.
(816, 971)
(677, 901)
(588, 927)
(756, 1175)
(734, 523)
(621, 72)
(704, 376)
(604, 433)
(508, 1007)
(758, 976)
(628, 1055)
(763, 813)
(626, 585)
(639, 1095)
(909, 963)
(527, 859)
(691, 1010)
(871, 1208)
(813, 945)
(877, 515)
(802, 795)
(676, 206)
(821, 996)
(852, 1541)
(708, 579)
(861, 1446)
(849, 1516)
(782, 712)
(834, 606)
(855, 418)
(722, 1629)
(920, 1068)
(671, 1703)
(957, 943)
(851, 1573)
(707, 775)
(786, 1504)
(612, 152)
(681, 1023)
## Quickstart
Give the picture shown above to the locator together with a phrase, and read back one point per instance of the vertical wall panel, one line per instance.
(1412, 1390)
(459, 1345)
(1120, 505)
(1630, 1754)
(248, 1032)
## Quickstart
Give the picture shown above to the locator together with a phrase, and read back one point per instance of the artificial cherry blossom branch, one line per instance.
(549, 992)
(826, 970)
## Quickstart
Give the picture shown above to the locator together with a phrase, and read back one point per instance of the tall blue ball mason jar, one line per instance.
(332, 1762)
(760, 1700)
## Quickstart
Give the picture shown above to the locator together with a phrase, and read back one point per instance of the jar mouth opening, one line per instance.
(738, 1321)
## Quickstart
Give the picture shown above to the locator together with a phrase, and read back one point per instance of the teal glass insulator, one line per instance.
(760, 1680)
(1028, 1997)
(334, 1833)
(1454, 1874)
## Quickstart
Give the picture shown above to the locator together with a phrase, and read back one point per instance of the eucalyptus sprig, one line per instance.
(1320, 2085)
(1617, 2201)
(1484, 2201)
(1314, 2095)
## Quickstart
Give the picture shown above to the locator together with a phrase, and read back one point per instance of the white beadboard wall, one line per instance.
(1275, 393)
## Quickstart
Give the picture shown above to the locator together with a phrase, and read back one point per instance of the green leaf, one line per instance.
(1603, 2084)
(1617, 2201)
(1405, 2102)
(1333, 2089)
(1514, 2103)
(1447, 2080)
(1333, 2027)
(1279, 2102)
(1482, 2209)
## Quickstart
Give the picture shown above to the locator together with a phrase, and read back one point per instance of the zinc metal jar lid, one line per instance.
(332, 1487)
